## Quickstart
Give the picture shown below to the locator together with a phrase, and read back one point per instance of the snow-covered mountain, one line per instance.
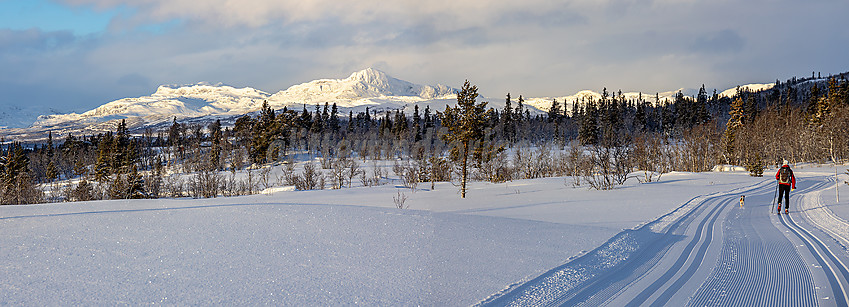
(368, 88)
(16, 116)
(351, 91)
(203, 102)
(169, 100)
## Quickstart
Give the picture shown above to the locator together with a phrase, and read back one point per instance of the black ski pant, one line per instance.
(784, 189)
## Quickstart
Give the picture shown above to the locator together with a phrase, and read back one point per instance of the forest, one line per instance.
(595, 143)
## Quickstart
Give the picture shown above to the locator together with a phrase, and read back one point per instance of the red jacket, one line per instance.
(792, 178)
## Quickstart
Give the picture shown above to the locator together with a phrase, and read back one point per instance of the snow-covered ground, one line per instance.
(338, 247)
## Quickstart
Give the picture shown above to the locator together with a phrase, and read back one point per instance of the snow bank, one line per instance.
(728, 168)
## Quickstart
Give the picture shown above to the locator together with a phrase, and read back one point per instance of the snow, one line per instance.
(331, 247)
(754, 87)
(728, 168)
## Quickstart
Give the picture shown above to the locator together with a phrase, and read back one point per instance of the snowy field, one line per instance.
(337, 247)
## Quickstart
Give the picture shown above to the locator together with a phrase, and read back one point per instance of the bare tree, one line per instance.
(577, 162)
(611, 163)
(309, 178)
(400, 199)
(352, 169)
(408, 173)
(337, 173)
(205, 184)
(265, 177)
(173, 185)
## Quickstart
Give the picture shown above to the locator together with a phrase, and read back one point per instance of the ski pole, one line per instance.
(773, 198)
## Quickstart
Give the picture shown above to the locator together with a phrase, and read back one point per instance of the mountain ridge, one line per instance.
(368, 88)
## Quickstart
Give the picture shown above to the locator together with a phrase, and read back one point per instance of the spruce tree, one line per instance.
(520, 109)
(640, 118)
(334, 118)
(507, 125)
(103, 166)
(215, 151)
(317, 121)
(118, 187)
(417, 129)
(17, 186)
(135, 185)
(51, 172)
(701, 108)
(262, 133)
(400, 127)
(428, 118)
(465, 123)
(554, 112)
(735, 123)
(588, 131)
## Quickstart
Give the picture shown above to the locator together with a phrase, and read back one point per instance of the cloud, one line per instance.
(34, 40)
(534, 48)
(719, 42)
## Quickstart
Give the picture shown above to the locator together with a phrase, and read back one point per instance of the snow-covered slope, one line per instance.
(748, 87)
(318, 248)
(15, 116)
(353, 247)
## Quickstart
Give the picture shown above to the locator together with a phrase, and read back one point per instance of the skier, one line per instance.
(786, 180)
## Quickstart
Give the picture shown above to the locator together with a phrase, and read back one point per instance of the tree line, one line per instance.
(598, 143)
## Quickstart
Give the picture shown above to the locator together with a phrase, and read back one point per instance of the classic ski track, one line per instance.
(697, 259)
(597, 289)
(802, 286)
(606, 282)
(702, 237)
(590, 296)
(584, 297)
(817, 213)
(818, 249)
(751, 270)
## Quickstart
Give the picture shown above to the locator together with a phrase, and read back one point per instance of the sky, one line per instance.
(74, 55)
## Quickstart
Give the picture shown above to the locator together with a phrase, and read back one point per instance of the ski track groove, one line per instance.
(817, 249)
(818, 215)
(776, 286)
(591, 296)
(561, 284)
(650, 290)
(697, 259)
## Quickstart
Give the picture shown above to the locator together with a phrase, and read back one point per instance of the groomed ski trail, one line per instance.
(714, 253)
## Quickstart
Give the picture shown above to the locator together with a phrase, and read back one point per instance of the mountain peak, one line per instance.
(368, 73)
(374, 77)
(364, 84)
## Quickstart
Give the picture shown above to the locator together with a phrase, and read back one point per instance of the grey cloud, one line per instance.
(34, 40)
(551, 18)
(135, 80)
(719, 42)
